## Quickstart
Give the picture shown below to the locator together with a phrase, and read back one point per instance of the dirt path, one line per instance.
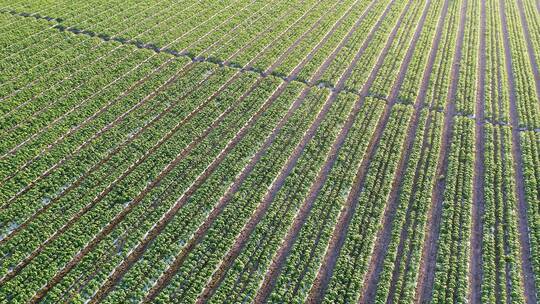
(528, 273)
(476, 271)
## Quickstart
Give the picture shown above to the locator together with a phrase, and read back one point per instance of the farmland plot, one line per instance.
(234, 151)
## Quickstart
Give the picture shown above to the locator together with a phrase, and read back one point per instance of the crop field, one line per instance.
(280, 151)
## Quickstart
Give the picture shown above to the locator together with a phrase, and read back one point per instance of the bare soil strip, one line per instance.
(476, 270)
(429, 252)
(526, 264)
(424, 149)
(135, 202)
(71, 131)
(167, 217)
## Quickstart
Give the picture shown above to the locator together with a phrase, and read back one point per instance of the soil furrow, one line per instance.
(120, 216)
(130, 139)
(162, 140)
(59, 67)
(110, 187)
(339, 233)
(104, 37)
(137, 252)
(248, 228)
(476, 261)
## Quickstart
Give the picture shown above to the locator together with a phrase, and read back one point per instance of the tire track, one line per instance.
(528, 273)
(478, 208)
(274, 270)
(429, 252)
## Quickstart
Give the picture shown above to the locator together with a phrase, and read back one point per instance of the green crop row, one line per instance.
(389, 69)
(346, 282)
(500, 244)
(300, 268)
(451, 281)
